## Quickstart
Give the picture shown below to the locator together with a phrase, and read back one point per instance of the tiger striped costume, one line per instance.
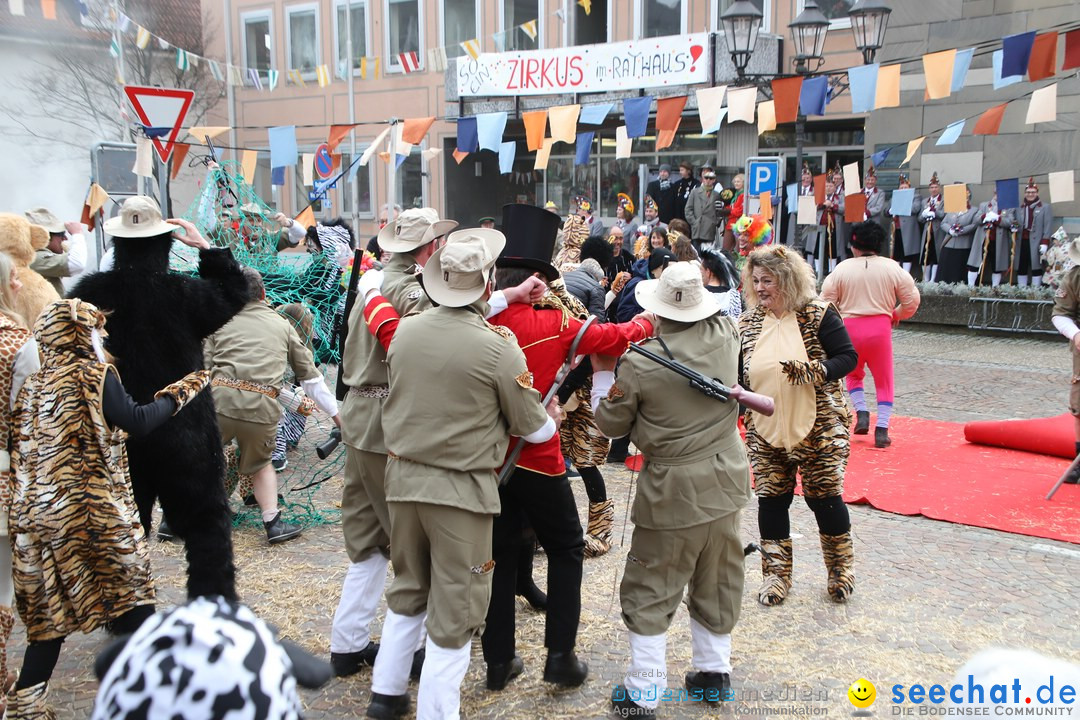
(80, 556)
(820, 458)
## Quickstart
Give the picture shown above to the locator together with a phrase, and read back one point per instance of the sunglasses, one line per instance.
(708, 177)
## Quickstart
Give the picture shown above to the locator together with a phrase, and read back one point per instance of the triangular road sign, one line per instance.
(163, 109)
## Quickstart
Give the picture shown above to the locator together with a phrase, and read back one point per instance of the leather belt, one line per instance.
(249, 385)
(371, 391)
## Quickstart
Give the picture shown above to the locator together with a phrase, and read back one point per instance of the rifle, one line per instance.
(712, 387)
(341, 389)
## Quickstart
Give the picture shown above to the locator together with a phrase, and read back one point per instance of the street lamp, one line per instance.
(741, 22)
(869, 18)
(808, 30)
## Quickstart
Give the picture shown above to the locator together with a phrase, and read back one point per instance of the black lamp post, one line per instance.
(808, 31)
(741, 23)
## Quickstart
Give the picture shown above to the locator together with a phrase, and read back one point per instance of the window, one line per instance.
(514, 14)
(410, 182)
(403, 23)
(261, 181)
(258, 40)
(302, 22)
(721, 7)
(835, 10)
(357, 10)
(459, 23)
(363, 189)
(657, 18)
(591, 29)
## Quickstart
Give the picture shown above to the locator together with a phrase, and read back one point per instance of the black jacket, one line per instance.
(585, 288)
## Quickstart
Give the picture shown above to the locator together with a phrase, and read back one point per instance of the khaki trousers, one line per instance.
(442, 564)
(365, 519)
(707, 557)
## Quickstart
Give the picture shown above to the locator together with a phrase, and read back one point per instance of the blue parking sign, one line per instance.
(763, 174)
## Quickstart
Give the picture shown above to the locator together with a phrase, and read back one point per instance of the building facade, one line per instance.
(284, 36)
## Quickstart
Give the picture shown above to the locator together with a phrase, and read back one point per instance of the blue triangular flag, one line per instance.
(878, 158)
(277, 175)
(951, 133)
(1008, 192)
(960, 68)
(584, 147)
(507, 153)
(399, 159)
(813, 94)
(862, 83)
(901, 201)
(467, 139)
(793, 198)
(354, 168)
(1016, 52)
(156, 132)
(636, 115)
(489, 130)
(594, 114)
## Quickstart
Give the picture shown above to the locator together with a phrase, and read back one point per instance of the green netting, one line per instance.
(230, 214)
(308, 288)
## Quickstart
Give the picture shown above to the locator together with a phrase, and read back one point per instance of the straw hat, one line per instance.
(458, 273)
(413, 228)
(139, 217)
(679, 294)
(44, 217)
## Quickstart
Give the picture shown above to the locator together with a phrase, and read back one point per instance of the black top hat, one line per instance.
(530, 238)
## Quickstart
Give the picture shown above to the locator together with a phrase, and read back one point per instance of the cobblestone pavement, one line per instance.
(929, 594)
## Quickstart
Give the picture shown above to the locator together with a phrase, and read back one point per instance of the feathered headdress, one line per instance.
(903, 178)
(583, 203)
(626, 203)
(1032, 186)
(870, 172)
(934, 179)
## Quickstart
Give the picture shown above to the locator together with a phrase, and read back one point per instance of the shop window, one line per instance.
(302, 22)
(459, 23)
(357, 10)
(258, 40)
(657, 18)
(403, 23)
(591, 29)
(721, 7)
(516, 13)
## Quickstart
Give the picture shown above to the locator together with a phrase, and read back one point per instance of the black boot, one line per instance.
(862, 422)
(499, 675)
(881, 437)
(563, 668)
(346, 664)
(388, 707)
(714, 686)
(417, 663)
(526, 588)
(620, 448)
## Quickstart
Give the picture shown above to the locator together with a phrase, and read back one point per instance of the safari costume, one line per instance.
(365, 519)
(694, 482)
(459, 387)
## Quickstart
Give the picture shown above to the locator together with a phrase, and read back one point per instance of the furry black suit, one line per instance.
(156, 327)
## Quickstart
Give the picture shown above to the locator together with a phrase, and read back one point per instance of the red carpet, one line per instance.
(1049, 436)
(930, 470)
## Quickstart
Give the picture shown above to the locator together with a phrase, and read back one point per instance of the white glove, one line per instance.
(927, 214)
(282, 219)
(991, 217)
(371, 280)
(953, 232)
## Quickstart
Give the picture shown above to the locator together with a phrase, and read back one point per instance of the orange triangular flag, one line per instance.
(766, 205)
(335, 162)
(459, 156)
(668, 116)
(535, 124)
(990, 121)
(180, 151)
(337, 133)
(1043, 56)
(786, 98)
(48, 9)
(819, 189)
(306, 218)
(415, 129)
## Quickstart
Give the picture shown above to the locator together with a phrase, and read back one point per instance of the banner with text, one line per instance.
(654, 62)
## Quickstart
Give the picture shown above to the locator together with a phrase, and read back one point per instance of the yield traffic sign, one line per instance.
(162, 112)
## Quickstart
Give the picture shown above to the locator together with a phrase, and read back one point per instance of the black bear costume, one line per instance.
(157, 323)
